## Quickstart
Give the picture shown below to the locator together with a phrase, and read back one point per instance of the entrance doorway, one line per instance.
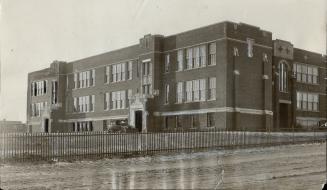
(46, 125)
(138, 120)
(284, 116)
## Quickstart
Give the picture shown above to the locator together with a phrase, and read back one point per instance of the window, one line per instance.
(310, 102)
(307, 101)
(180, 60)
(202, 89)
(114, 73)
(196, 90)
(84, 79)
(107, 75)
(167, 94)
(306, 73)
(212, 88)
(118, 100)
(146, 89)
(92, 82)
(189, 91)
(84, 104)
(88, 79)
(45, 82)
(315, 102)
(54, 94)
(39, 88)
(189, 60)
(129, 70)
(118, 72)
(75, 109)
(203, 56)
(212, 54)
(75, 80)
(167, 62)
(147, 68)
(106, 101)
(196, 57)
(210, 119)
(92, 103)
(315, 75)
(250, 43)
(282, 77)
(37, 108)
(299, 100)
(180, 92)
(178, 121)
(147, 79)
(32, 89)
(84, 126)
(123, 71)
(310, 74)
(33, 110)
(304, 101)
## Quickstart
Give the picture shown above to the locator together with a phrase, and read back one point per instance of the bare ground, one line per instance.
(284, 167)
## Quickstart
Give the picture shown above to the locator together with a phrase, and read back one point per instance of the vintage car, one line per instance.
(121, 126)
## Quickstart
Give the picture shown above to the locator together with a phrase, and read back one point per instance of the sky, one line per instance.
(33, 33)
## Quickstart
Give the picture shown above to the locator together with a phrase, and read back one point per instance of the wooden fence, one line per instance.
(48, 146)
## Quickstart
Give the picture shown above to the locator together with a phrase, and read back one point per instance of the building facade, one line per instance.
(228, 75)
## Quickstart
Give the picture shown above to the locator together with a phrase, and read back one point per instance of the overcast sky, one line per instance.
(36, 32)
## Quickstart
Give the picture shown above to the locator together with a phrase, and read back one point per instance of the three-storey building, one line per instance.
(226, 75)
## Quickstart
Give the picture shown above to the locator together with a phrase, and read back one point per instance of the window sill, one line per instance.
(306, 83)
(195, 101)
(194, 68)
(117, 81)
(315, 111)
(83, 87)
(118, 109)
(75, 113)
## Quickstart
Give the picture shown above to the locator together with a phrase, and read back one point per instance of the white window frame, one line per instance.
(250, 44)
(167, 94)
(167, 62)
(212, 88)
(180, 92)
(212, 53)
(180, 60)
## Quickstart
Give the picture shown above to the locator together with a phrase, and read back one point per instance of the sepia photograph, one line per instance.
(163, 94)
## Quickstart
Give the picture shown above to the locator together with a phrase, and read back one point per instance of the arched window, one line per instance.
(282, 76)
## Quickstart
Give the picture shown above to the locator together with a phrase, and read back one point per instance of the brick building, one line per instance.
(225, 75)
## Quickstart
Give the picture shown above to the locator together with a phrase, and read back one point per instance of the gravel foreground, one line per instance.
(283, 167)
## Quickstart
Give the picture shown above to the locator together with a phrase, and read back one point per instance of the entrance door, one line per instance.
(138, 120)
(46, 125)
(283, 116)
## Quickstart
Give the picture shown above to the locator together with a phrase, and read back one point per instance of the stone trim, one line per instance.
(210, 110)
(94, 118)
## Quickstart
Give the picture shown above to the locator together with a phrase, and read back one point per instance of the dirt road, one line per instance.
(284, 167)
